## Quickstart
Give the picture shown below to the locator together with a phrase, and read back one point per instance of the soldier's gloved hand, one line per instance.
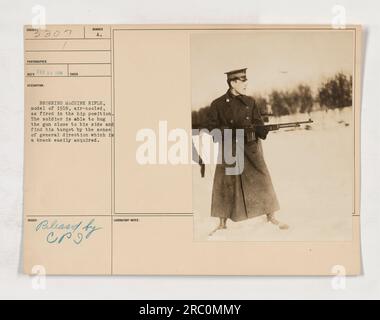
(260, 130)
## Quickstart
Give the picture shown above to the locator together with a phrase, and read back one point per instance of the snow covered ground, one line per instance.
(313, 175)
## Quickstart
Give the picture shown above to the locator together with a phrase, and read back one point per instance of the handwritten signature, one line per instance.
(60, 232)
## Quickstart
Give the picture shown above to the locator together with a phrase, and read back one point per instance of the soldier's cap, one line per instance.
(239, 74)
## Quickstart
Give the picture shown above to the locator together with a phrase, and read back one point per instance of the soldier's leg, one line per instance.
(272, 219)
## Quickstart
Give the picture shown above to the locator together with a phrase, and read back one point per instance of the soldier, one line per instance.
(251, 193)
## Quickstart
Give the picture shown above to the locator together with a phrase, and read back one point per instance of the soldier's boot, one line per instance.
(271, 219)
(222, 225)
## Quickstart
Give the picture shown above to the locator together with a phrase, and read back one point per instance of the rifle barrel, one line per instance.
(288, 125)
(296, 122)
(276, 126)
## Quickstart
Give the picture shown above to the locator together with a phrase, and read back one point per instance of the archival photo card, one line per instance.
(192, 150)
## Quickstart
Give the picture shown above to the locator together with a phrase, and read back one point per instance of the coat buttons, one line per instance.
(227, 100)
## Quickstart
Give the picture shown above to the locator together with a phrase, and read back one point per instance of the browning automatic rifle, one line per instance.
(252, 129)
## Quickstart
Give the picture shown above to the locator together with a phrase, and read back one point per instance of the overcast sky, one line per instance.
(275, 59)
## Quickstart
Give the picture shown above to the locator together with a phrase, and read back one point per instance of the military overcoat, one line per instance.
(251, 193)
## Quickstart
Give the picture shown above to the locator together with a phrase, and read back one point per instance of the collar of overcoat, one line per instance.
(243, 98)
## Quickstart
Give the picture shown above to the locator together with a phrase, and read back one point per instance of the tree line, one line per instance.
(335, 92)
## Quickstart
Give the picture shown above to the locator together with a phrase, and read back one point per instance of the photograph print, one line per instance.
(273, 134)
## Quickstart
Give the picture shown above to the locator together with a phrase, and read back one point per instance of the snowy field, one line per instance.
(313, 175)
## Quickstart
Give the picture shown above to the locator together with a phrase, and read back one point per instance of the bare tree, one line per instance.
(336, 92)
